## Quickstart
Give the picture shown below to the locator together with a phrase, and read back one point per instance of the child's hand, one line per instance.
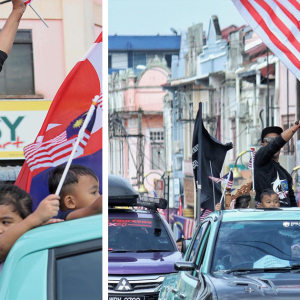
(218, 206)
(47, 209)
(53, 221)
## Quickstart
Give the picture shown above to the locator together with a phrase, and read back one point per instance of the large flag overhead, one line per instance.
(208, 156)
(65, 117)
(277, 23)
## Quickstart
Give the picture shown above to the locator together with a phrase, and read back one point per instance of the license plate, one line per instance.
(127, 297)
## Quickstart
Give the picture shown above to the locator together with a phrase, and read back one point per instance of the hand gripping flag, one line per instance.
(61, 126)
(277, 23)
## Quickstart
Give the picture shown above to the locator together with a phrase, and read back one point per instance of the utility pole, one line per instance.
(140, 151)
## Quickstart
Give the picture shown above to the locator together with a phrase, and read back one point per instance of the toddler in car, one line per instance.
(16, 216)
(269, 199)
(79, 196)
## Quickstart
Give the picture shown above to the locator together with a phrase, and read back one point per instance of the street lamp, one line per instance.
(142, 189)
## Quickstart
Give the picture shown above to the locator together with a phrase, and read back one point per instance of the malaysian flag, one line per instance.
(61, 127)
(252, 157)
(185, 226)
(276, 22)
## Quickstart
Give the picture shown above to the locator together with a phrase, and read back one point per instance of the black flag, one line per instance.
(207, 150)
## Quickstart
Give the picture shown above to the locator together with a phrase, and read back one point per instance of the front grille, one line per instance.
(137, 286)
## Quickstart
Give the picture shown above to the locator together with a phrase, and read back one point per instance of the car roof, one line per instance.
(57, 235)
(261, 214)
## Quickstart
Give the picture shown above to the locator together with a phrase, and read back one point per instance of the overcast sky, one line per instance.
(150, 17)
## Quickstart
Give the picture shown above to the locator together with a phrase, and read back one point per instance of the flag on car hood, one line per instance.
(64, 118)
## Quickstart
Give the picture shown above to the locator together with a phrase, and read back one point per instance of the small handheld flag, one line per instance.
(28, 2)
(251, 165)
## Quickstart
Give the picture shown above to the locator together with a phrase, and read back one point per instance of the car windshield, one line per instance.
(257, 245)
(138, 235)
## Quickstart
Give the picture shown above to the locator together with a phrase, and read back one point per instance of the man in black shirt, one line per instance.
(268, 173)
(8, 32)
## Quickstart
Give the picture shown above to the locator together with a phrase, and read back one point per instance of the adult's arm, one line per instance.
(8, 32)
(265, 154)
(93, 209)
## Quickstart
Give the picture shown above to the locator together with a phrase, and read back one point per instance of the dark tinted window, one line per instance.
(80, 277)
(16, 77)
(256, 245)
(126, 234)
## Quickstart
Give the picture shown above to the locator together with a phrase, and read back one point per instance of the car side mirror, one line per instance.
(184, 266)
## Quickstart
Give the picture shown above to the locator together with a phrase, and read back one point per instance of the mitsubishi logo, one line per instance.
(123, 285)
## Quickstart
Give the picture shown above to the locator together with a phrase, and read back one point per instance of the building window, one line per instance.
(157, 136)
(17, 76)
(109, 61)
(168, 58)
(139, 59)
(119, 60)
(158, 157)
(157, 150)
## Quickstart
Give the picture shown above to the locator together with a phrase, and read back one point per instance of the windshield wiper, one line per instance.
(295, 268)
(152, 250)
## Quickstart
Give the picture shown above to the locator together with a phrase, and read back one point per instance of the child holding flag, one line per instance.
(16, 216)
(8, 32)
(79, 196)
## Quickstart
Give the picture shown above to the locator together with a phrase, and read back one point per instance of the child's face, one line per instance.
(85, 192)
(8, 218)
(270, 201)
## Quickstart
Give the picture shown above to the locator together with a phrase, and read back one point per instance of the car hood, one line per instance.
(259, 285)
(142, 263)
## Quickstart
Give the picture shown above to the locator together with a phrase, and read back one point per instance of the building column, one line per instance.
(78, 29)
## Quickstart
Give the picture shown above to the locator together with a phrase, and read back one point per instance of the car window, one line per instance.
(80, 277)
(75, 271)
(138, 235)
(201, 252)
(256, 245)
(195, 242)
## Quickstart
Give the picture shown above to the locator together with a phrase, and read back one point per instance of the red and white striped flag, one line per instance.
(189, 228)
(57, 150)
(276, 22)
(252, 157)
(223, 179)
(27, 1)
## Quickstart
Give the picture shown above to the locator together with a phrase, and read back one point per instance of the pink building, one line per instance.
(136, 102)
(39, 61)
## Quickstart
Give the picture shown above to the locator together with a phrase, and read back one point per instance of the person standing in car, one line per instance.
(269, 174)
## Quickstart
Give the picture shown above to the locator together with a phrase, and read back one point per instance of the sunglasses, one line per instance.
(269, 139)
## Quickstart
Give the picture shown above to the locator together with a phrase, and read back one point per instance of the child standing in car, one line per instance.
(79, 196)
(16, 216)
(269, 199)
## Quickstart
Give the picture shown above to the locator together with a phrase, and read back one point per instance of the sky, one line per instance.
(152, 17)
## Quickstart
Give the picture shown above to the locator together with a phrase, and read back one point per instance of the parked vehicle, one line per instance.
(61, 261)
(142, 250)
(240, 254)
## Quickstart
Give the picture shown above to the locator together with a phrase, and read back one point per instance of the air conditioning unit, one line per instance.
(177, 146)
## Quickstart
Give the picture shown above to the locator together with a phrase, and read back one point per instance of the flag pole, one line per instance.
(213, 184)
(253, 187)
(38, 15)
(79, 138)
(199, 169)
(228, 178)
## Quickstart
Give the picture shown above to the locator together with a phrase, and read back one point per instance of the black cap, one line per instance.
(271, 129)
